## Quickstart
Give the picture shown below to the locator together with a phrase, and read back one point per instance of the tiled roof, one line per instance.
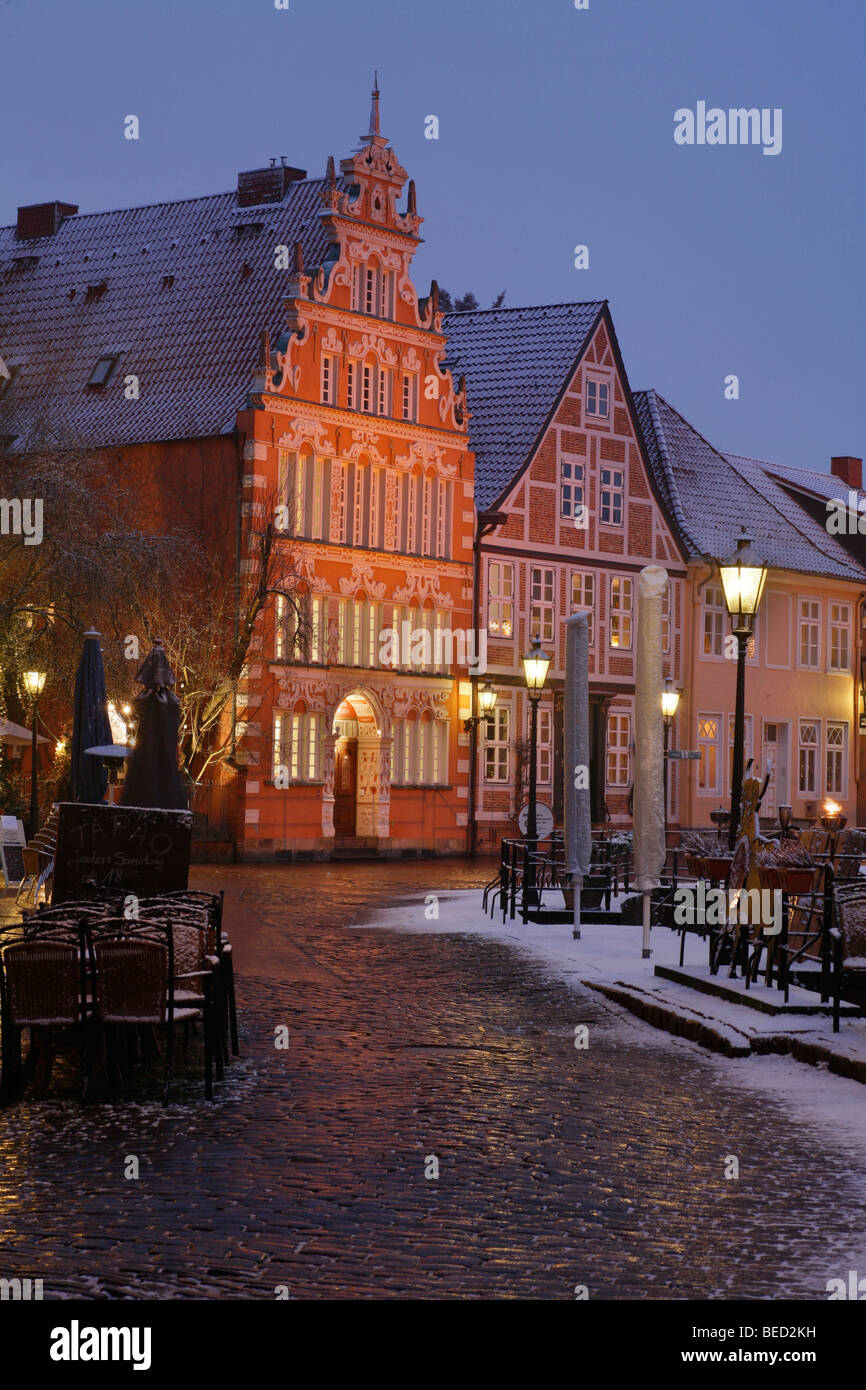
(516, 363)
(825, 485)
(192, 340)
(713, 495)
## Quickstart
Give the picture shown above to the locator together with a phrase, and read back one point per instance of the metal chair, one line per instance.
(42, 985)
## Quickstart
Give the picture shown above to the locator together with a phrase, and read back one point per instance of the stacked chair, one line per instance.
(89, 967)
(38, 857)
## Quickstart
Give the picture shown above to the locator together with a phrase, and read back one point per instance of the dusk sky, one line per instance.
(556, 128)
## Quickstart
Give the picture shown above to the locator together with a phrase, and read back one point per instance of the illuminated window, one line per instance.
(297, 747)
(583, 597)
(496, 744)
(620, 612)
(714, 620)
(810, 733)
(708, 746)
(618, 750)
(837, 749)
(500, 599)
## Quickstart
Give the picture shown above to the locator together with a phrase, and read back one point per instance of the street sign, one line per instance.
(693, 753)
(543, 820)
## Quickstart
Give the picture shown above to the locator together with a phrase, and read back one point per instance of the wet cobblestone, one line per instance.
(557, 1167)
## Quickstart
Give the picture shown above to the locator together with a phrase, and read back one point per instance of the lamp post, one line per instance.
(670, 701)
(743, 578)
(34, 684)
(535, 667)
(486, 698)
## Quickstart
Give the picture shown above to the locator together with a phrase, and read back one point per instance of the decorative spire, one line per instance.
(265, 358)
(374, 107)
(298, 259)
(412, 206)
(331, 174)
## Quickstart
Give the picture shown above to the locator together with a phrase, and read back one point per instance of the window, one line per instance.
(544, 763)
(708, 746)
(571, 477)
(666, 618)
(384, 402)
(358, 632)
(618, 749)
(808, 770)
(496, 748)
(300, 631)
(386, 294)
(297, 747)
(353, 372)
(714, 620)
(101, 374)
(840, 627)
(500, 599)
(541, 603)
(583, 597)
(329, 378)
(747, 745)
(810, 633)
(620, 612)
(368, 377)
(409, 394)
(597, 398)
(443, 517)
(419, 751)
(837, 748)
(611, 496)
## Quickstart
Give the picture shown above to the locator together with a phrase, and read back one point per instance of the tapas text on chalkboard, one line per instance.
(128, 849)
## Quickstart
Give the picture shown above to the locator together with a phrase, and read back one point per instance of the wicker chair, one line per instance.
(848, 936)
(133, 968)
(218, 946)
(42, 985)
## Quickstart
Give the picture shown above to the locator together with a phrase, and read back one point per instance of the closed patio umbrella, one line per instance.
(90, 725)
(649, 815)
(578, 815)
(152, 775)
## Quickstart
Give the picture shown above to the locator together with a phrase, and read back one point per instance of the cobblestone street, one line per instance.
(557, 1167)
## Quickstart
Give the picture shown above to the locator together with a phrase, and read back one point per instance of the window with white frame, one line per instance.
(597, 398)
(747, 745)
(384, 397)
(612, 493)
(621, 594)
(500, 599)
(329, 378)
(618, 750)
(419, 751)
(496, 744)
(709, 747)
(541, 607)
(300, 629)
(810, 633)
(369, 281)
(409, 395)
(386, 294)
(297, 747)
(544, 744)
(837, 750)
(571, 481)
(353, 384)
(666, 618)
(443, 517)
(840, 637)
(809, 753)
(368, 386)
(359, 632)
(583, 597)
(714, 620)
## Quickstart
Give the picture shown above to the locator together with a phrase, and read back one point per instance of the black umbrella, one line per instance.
(152, 774)
(90, 725)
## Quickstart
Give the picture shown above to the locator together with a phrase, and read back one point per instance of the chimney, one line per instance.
(42, 219)
(849, 470)
(266, 185)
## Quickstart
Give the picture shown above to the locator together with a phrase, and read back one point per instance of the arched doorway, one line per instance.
(362, 783)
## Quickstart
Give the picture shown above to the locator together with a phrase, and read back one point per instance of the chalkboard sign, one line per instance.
(12, 841)
(128, 849)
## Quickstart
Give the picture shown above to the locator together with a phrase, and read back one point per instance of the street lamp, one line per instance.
(34, 684)
(743, 578)
(535, 667)
(670, 701)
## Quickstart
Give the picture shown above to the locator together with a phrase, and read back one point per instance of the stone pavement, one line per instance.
(557, 1167)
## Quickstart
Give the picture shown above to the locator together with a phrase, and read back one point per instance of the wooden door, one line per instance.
(345, 768)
